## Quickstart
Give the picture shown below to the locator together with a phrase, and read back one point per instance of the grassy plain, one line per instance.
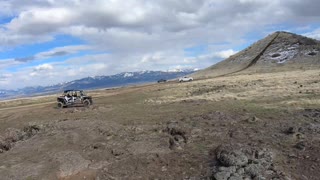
(127, 132)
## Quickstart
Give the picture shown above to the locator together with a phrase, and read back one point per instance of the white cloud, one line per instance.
(6, 8)
(40, 21)
(314, 34)
(156, 57)
(4, 77)
(61, 51)
(6, 63)
(34, 74)
(211, 58)
(43, 67)
(138, 34)
(226, 53)
(55, 52)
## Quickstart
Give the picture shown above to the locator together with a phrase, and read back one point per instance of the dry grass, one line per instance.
(293, 88)
(27, 101)
(273, 90)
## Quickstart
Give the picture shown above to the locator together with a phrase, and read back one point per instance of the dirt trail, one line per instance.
(113, 93)
(25, 106)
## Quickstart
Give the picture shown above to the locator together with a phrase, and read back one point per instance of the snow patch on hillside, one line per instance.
(281, 54)
(311, 52)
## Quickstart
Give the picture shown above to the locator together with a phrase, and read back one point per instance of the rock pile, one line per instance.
(178, 137)
(238, 162)
(13, 135)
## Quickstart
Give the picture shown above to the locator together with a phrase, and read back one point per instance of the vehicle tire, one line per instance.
(60, 105)
(86, 103)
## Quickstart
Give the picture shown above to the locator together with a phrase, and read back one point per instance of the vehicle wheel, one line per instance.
(60, 105)
(86, 103)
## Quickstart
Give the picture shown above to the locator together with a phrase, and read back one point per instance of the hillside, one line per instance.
(278, 51)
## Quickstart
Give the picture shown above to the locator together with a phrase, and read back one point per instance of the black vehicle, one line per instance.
(162, 81)
(73, 98)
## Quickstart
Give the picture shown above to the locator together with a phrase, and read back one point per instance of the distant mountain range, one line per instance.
(118, 80)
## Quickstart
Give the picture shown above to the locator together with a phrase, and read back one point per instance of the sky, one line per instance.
(45, 42)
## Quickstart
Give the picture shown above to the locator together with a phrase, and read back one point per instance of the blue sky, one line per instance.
(44, 42)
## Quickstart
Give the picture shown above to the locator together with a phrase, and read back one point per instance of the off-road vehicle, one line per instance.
(73, 98)
(185, 79)
(162, 80)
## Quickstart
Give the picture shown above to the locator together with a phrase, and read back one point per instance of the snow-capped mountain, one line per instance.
(121, 79)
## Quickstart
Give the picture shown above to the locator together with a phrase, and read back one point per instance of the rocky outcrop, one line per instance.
(237, 162)
(13, 135)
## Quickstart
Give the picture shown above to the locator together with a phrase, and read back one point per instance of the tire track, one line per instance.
(25, 106)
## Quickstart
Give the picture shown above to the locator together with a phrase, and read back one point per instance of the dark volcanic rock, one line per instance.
(238, 161)
(300, 145)
(13, 135)
(229, 155)
(4, 145)
(290, 130)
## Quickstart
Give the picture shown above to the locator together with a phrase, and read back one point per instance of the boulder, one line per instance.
(231, 156)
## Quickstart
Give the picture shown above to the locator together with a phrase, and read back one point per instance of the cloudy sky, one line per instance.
(45, 42)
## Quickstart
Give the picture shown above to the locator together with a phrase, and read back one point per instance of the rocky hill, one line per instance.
(278, 51)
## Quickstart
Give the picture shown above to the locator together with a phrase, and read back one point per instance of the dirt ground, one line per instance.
(254, 126)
